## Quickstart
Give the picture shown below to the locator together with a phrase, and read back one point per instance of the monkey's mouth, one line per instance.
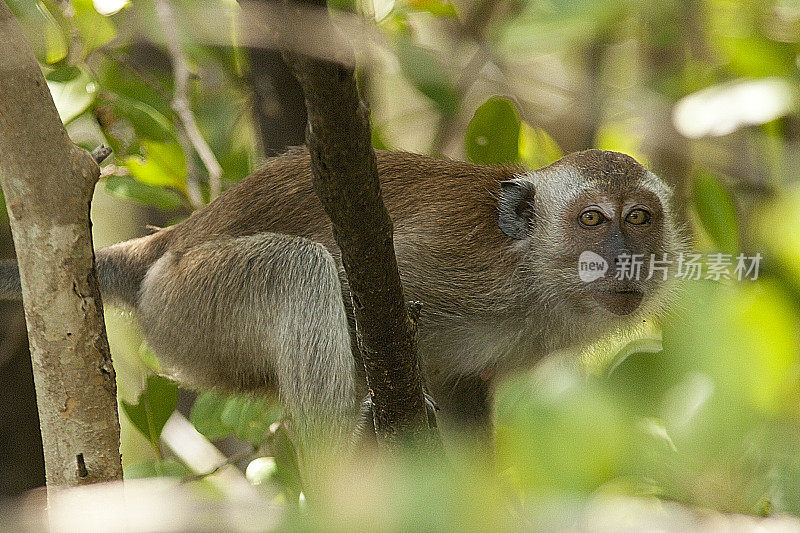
(622, 301)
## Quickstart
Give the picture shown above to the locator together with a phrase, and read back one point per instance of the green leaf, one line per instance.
(121, 80)
(153, 408)
(716, 210)
(131, 188)
(41, 29)
(156, 468)
(218, 415)
(73, 97)
(206, 415)
(493, 133)
(95, 29)
(536, 148)
(146, 121)
(63, 73)
(249, 417)
(164, 165)
(423, 70)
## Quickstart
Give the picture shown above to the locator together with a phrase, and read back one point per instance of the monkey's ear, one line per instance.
(515, 207)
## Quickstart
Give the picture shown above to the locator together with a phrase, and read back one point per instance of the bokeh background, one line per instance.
(701, 406)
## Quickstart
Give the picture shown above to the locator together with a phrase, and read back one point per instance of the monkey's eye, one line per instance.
(638, 217)
(591, 217)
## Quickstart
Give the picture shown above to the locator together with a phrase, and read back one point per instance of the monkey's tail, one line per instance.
(10, 286)
(120, 270)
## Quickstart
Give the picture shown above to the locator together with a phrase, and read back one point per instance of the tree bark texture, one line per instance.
(48, 184)
(345, 179)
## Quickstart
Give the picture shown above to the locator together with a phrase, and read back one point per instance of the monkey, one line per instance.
(249, 293)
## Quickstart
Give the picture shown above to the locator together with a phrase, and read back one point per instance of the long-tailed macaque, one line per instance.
(247, 293)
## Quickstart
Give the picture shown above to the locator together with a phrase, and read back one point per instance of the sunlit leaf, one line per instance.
(775, 229)
(43, 32)
(724, 108)
(618, 138)
(735, 32)
(153, 408)
(109, 7)
(716, 210)
(441, 8)
(767, 339)
(493, 133)
(164, 165)
(536, 148)
(95, 29)
(131, 188)
(261, 470)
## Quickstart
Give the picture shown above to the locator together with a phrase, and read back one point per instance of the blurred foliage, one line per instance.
(248, 418)
(704, 91)
(716, 211)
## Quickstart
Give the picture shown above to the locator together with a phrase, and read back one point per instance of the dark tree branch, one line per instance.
(345, 179)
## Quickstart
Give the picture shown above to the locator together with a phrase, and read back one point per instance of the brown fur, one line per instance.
(443, 211)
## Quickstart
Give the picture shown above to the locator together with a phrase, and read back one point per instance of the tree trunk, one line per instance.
(48, 183)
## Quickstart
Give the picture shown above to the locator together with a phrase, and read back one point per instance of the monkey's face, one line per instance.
(617, 238)
(597, 235)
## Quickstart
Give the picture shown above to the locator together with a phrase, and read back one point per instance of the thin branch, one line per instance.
(227, 462)
(193, 192)
(191, 448)
(180, 104)
(100, 153)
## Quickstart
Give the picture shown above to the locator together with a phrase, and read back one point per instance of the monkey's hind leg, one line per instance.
(254, 313)
(316, 375)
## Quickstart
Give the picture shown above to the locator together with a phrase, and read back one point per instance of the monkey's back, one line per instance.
(279, 198)
(444, 214)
